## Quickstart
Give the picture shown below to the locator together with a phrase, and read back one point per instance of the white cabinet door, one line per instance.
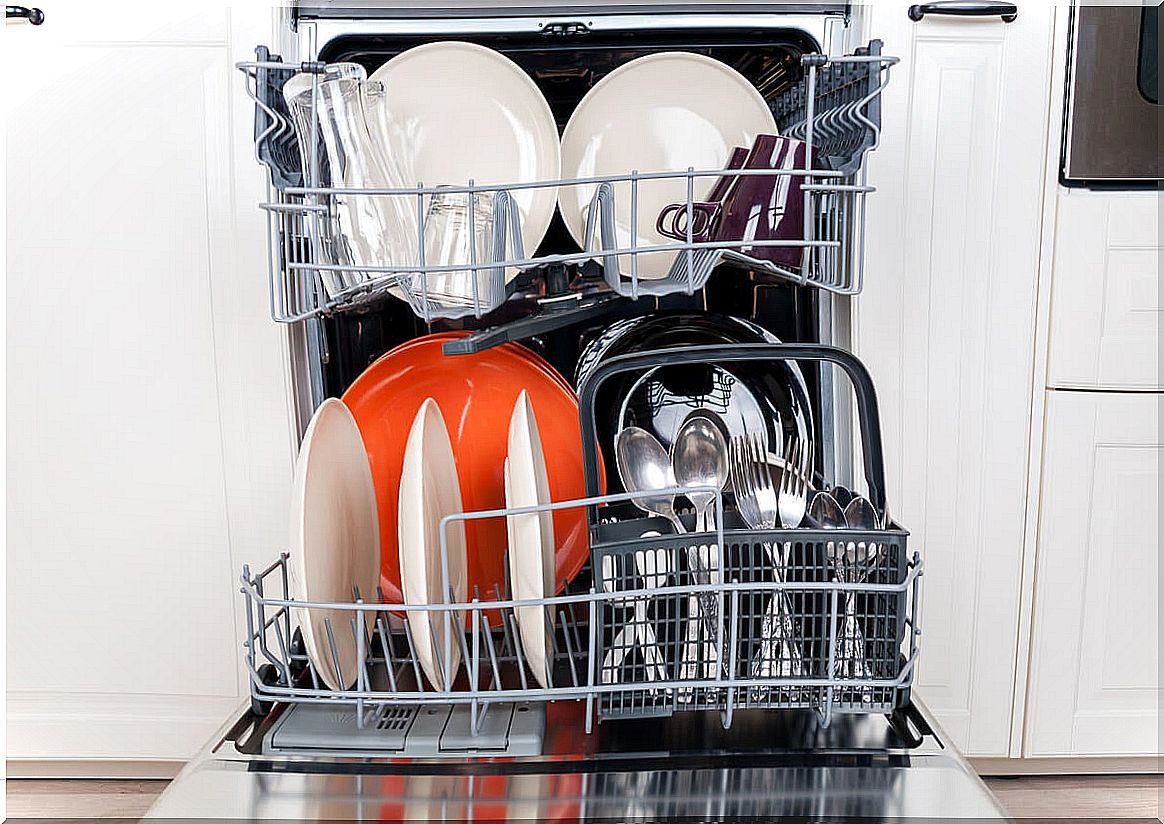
(946, 324)
(149, 443)
(1105, 291)
(1094, 680)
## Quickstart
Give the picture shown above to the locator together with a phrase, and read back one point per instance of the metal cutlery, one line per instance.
(645, 468)
(793, 498)
(760, 505)
(852, 561)
(653, 567)
(842, 496)
(699, 458)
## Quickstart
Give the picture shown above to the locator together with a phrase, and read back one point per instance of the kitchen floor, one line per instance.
(1128, 798)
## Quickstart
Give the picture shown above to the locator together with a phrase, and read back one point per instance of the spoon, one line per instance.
(645, 468)
(850, 645)
(699, 456)
(860, 514)
(842, 496)
(827, 512)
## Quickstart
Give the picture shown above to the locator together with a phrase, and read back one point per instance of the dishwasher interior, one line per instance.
(557, 309)
(565, 67)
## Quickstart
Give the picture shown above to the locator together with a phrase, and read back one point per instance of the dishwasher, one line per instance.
(822, 743)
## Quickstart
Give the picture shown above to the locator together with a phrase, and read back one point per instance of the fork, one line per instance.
(760, 505)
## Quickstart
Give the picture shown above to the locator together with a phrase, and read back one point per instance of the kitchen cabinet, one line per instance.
(149, 434)
(1095, 653)
(1105, 297)
(947, 325)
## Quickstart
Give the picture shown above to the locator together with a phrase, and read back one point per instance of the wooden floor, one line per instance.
(1059, 797)
(77, 798)
(1048, 798)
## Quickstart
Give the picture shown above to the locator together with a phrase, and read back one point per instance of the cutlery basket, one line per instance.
(833, 105)
(645, 639)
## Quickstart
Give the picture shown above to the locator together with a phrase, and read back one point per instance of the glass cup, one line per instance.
(453, 234)
(360, 229)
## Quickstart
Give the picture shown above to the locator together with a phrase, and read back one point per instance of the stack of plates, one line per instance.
(434, 570)
(426, 437)
(666, 112)
(746, 396)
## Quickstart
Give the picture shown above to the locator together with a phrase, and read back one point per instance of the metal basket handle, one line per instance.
(680, 356)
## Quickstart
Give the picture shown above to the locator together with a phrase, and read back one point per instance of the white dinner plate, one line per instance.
(335, 538)
(531, 537)
(463, 112)
(430, 490)
(664, 112)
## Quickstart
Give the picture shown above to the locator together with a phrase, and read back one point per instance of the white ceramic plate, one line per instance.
(664, 112)
(531, 537)
(335, 537)
(463, 112)
(430, 490)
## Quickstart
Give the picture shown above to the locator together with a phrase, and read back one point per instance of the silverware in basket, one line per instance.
(645, 469)
(852, 562)
(760, 506)
(699, 458)
(653, 567)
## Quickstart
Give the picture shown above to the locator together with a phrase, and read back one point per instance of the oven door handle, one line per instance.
(34, 16)
(966, 8)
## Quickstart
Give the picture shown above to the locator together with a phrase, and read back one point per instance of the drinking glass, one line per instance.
(452, 231)
(360, 229)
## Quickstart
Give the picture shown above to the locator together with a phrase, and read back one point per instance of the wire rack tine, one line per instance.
(569, 649)
(334, 651)
(517, 650)
(412, 656)
(389, 663)
(496, 670)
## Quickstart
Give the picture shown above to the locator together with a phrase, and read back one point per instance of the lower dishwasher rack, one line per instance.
(644, 633)
(492, 703)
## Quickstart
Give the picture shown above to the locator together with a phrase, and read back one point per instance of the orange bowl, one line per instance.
(476, 394)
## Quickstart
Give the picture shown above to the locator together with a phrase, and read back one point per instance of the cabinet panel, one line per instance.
(1094, 686)
(149, 442)
(116, 479)
(946, 324)
(1105, 293)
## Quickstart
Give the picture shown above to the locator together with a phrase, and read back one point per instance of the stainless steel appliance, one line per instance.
(767, 766)
(827, 745)
(1113, 113)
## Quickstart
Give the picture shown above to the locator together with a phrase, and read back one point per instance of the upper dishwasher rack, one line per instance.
(834, 108)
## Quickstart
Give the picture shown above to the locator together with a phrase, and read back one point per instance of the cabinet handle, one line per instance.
(34, 16)
(966, 8)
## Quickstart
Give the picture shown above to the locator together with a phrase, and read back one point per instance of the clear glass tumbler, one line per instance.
(360, 229)
(452, 234)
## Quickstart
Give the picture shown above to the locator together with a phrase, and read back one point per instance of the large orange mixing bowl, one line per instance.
(476, 394)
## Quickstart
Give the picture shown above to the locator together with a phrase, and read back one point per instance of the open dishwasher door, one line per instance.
(766, 766)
